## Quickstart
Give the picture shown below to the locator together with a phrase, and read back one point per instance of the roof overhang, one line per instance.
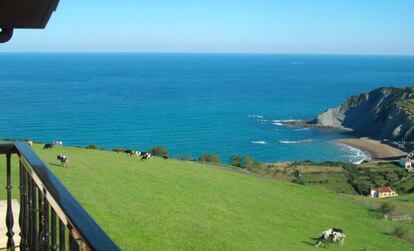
(24, 14)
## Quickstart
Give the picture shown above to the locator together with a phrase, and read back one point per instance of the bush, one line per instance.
(247, 162)
(399, 232)
(159, 151)
(297, 173)
(118, 150)
(92, 146)
(235, 160)
(210, 158)
(299, 181)
(386, 208)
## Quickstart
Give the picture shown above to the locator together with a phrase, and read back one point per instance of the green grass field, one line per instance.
(175, 205)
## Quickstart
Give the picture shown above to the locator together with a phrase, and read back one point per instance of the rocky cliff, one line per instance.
(385, 113)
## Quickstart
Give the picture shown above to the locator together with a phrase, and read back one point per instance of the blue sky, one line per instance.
(251, 26)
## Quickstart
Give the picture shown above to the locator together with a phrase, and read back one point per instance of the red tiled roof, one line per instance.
(385, 190)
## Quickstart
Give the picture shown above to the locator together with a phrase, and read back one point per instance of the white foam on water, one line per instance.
(356, 156)
(281, 122)
(302, 129)
(261, 142)
(302, 141)
(285, 120)
(256, 116)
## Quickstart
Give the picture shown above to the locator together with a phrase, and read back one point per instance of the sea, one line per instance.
(192, 104)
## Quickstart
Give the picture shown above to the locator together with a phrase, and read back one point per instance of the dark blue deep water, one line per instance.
(189, 103)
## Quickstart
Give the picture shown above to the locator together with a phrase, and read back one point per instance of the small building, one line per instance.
(407, 164)
(383, 192)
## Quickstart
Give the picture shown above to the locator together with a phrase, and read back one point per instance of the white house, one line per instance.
(407, 163)
(382, 192)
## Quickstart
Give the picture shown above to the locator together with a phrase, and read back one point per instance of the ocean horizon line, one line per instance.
(210, 53)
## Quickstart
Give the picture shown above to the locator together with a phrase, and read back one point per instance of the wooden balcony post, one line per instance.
(24, 209)
(9, 213)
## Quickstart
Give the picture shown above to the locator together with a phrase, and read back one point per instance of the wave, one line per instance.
(256, 116)
(261, 142)
(285, 120)
(302, 129)
(281, 122)
(297, 141)
(356, 156)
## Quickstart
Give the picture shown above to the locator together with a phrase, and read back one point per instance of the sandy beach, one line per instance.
(375, 148)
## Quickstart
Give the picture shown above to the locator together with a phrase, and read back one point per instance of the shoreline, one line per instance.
(376, 149)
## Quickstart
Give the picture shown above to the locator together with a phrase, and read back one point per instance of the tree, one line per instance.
(211, 158)
(235, 160)
(399, 232)
(247, 162)
(299, 181)
(159, 151)
(297, 173)
(92, 146)
(386, 208)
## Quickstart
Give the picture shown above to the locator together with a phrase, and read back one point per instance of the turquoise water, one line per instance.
(189, 103)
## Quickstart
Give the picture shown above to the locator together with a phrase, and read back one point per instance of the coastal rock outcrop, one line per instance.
(384, 113)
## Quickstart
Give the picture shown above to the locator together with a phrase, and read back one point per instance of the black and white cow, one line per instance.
(145, 156)
(48, 146)
(64, 160)
(332, 235)
(133, 153)
(57, 142)
(118, 149)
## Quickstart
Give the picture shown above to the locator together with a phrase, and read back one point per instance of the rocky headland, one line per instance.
(384, 113)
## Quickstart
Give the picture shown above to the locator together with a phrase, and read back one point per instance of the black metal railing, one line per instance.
(50, 218)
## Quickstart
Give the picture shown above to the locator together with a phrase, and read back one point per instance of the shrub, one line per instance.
(235, 161)
(386, 208)
(247, 162)
(211, 158)
(399, 232)
(118, 149)
(299, 181)
(297, 173)
(159, 151)
(92, 146)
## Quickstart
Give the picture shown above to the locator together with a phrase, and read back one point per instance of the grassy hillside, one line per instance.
(407, 102)
(341, 177)
(174, 205)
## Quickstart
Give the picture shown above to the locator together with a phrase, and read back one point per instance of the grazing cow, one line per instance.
(145, 156)
(29, 142)
(132, 153)
(48, 146)
(64, 160)
(128, 151)
(57, 142)
(165, 157)
(118, 150)
(332, 235)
